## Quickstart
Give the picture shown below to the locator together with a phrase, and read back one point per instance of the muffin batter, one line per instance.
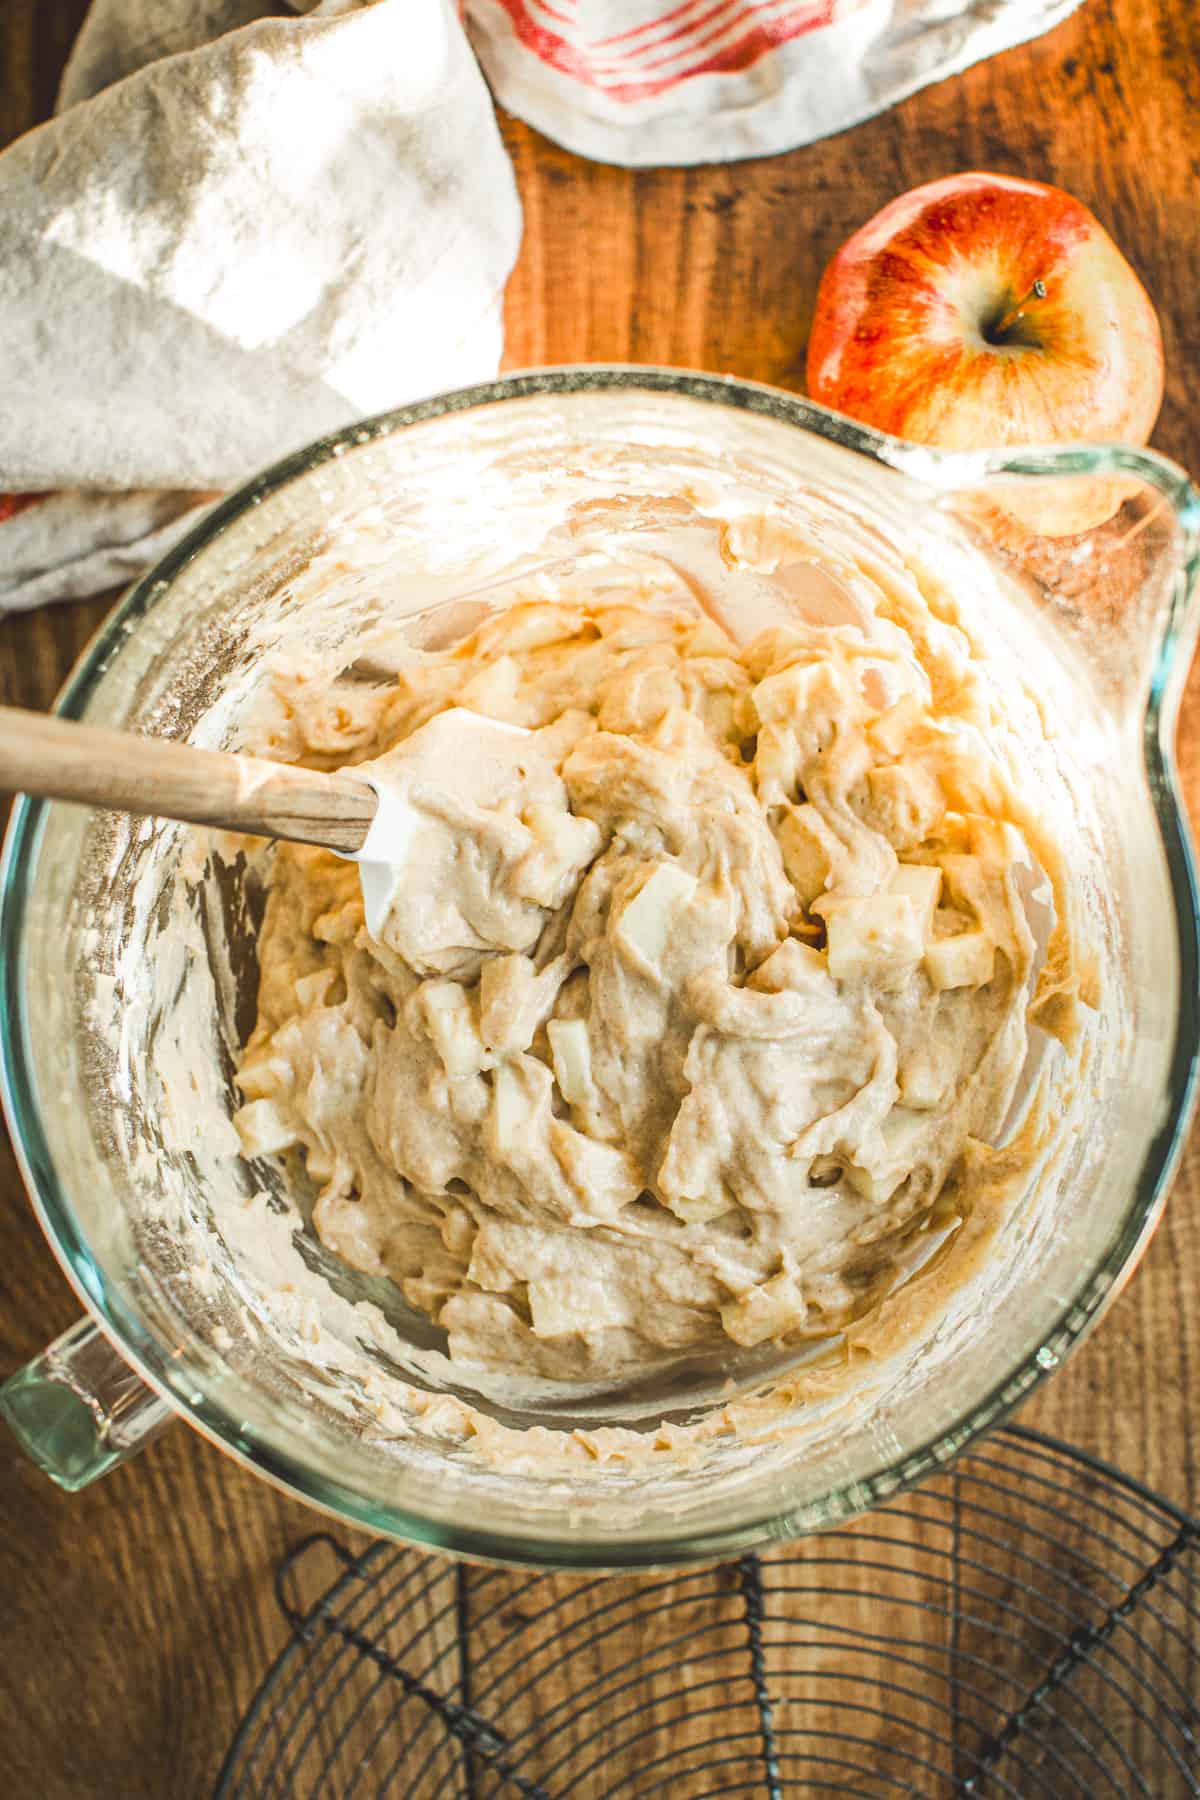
(705, 974)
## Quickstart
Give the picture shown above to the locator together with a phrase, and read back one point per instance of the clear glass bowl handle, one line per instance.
(78, 1409)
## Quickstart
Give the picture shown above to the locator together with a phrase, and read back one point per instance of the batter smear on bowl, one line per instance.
(700, 995)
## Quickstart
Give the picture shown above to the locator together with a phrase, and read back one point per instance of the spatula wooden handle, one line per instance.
(40, 754)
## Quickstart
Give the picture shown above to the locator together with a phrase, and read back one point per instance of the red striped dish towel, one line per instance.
(694, 81)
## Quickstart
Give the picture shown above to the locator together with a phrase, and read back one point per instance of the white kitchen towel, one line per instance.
(240, 231)
(641, 82)
(244, 229)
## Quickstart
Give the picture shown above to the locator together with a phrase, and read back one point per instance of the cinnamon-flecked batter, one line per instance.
(692, 991)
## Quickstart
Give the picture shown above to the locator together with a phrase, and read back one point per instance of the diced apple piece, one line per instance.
(514, 998)
(557, 740)
(507, 1019)
(458, 1231)
(645, 925)
(965, 881)
(550, 1310)
(564, 846)
(493, 690)
(922, 1083)
(922, 884)
(802, 842)
(875, 1185)
(793, 966)
(762, 541)
(452, 1028)
(637, 699)
(964, 961)
(901, 1136)
(890, 732)
(312, 989)
(905, 804)
(559, 1303)
(263, 1130)
(876, 937)
(571, 1050)
(264, 1076)
(490, 1267)
(511, 1110)
(997, 842)
(699, 1209)
(764, 1312)
(680, 733)
(529, 625)
(776, 764)
(805, 694)
(635, 625)
(604, 1178)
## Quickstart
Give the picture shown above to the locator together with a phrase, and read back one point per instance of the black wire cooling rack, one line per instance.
(1024, 1625)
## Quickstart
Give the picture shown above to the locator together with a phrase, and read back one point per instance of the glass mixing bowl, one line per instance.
(128, 975)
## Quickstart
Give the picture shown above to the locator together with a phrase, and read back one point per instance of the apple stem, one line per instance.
(1001, 332)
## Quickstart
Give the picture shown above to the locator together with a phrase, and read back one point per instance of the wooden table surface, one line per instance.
(136, 1619)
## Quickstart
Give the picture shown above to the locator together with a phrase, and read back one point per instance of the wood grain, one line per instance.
(137, 1617)
(64, 760)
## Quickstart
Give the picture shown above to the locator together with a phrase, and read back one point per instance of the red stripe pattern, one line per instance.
(12, 504)
(662, 46)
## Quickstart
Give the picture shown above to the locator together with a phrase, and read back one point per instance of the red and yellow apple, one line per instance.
(984, 310)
